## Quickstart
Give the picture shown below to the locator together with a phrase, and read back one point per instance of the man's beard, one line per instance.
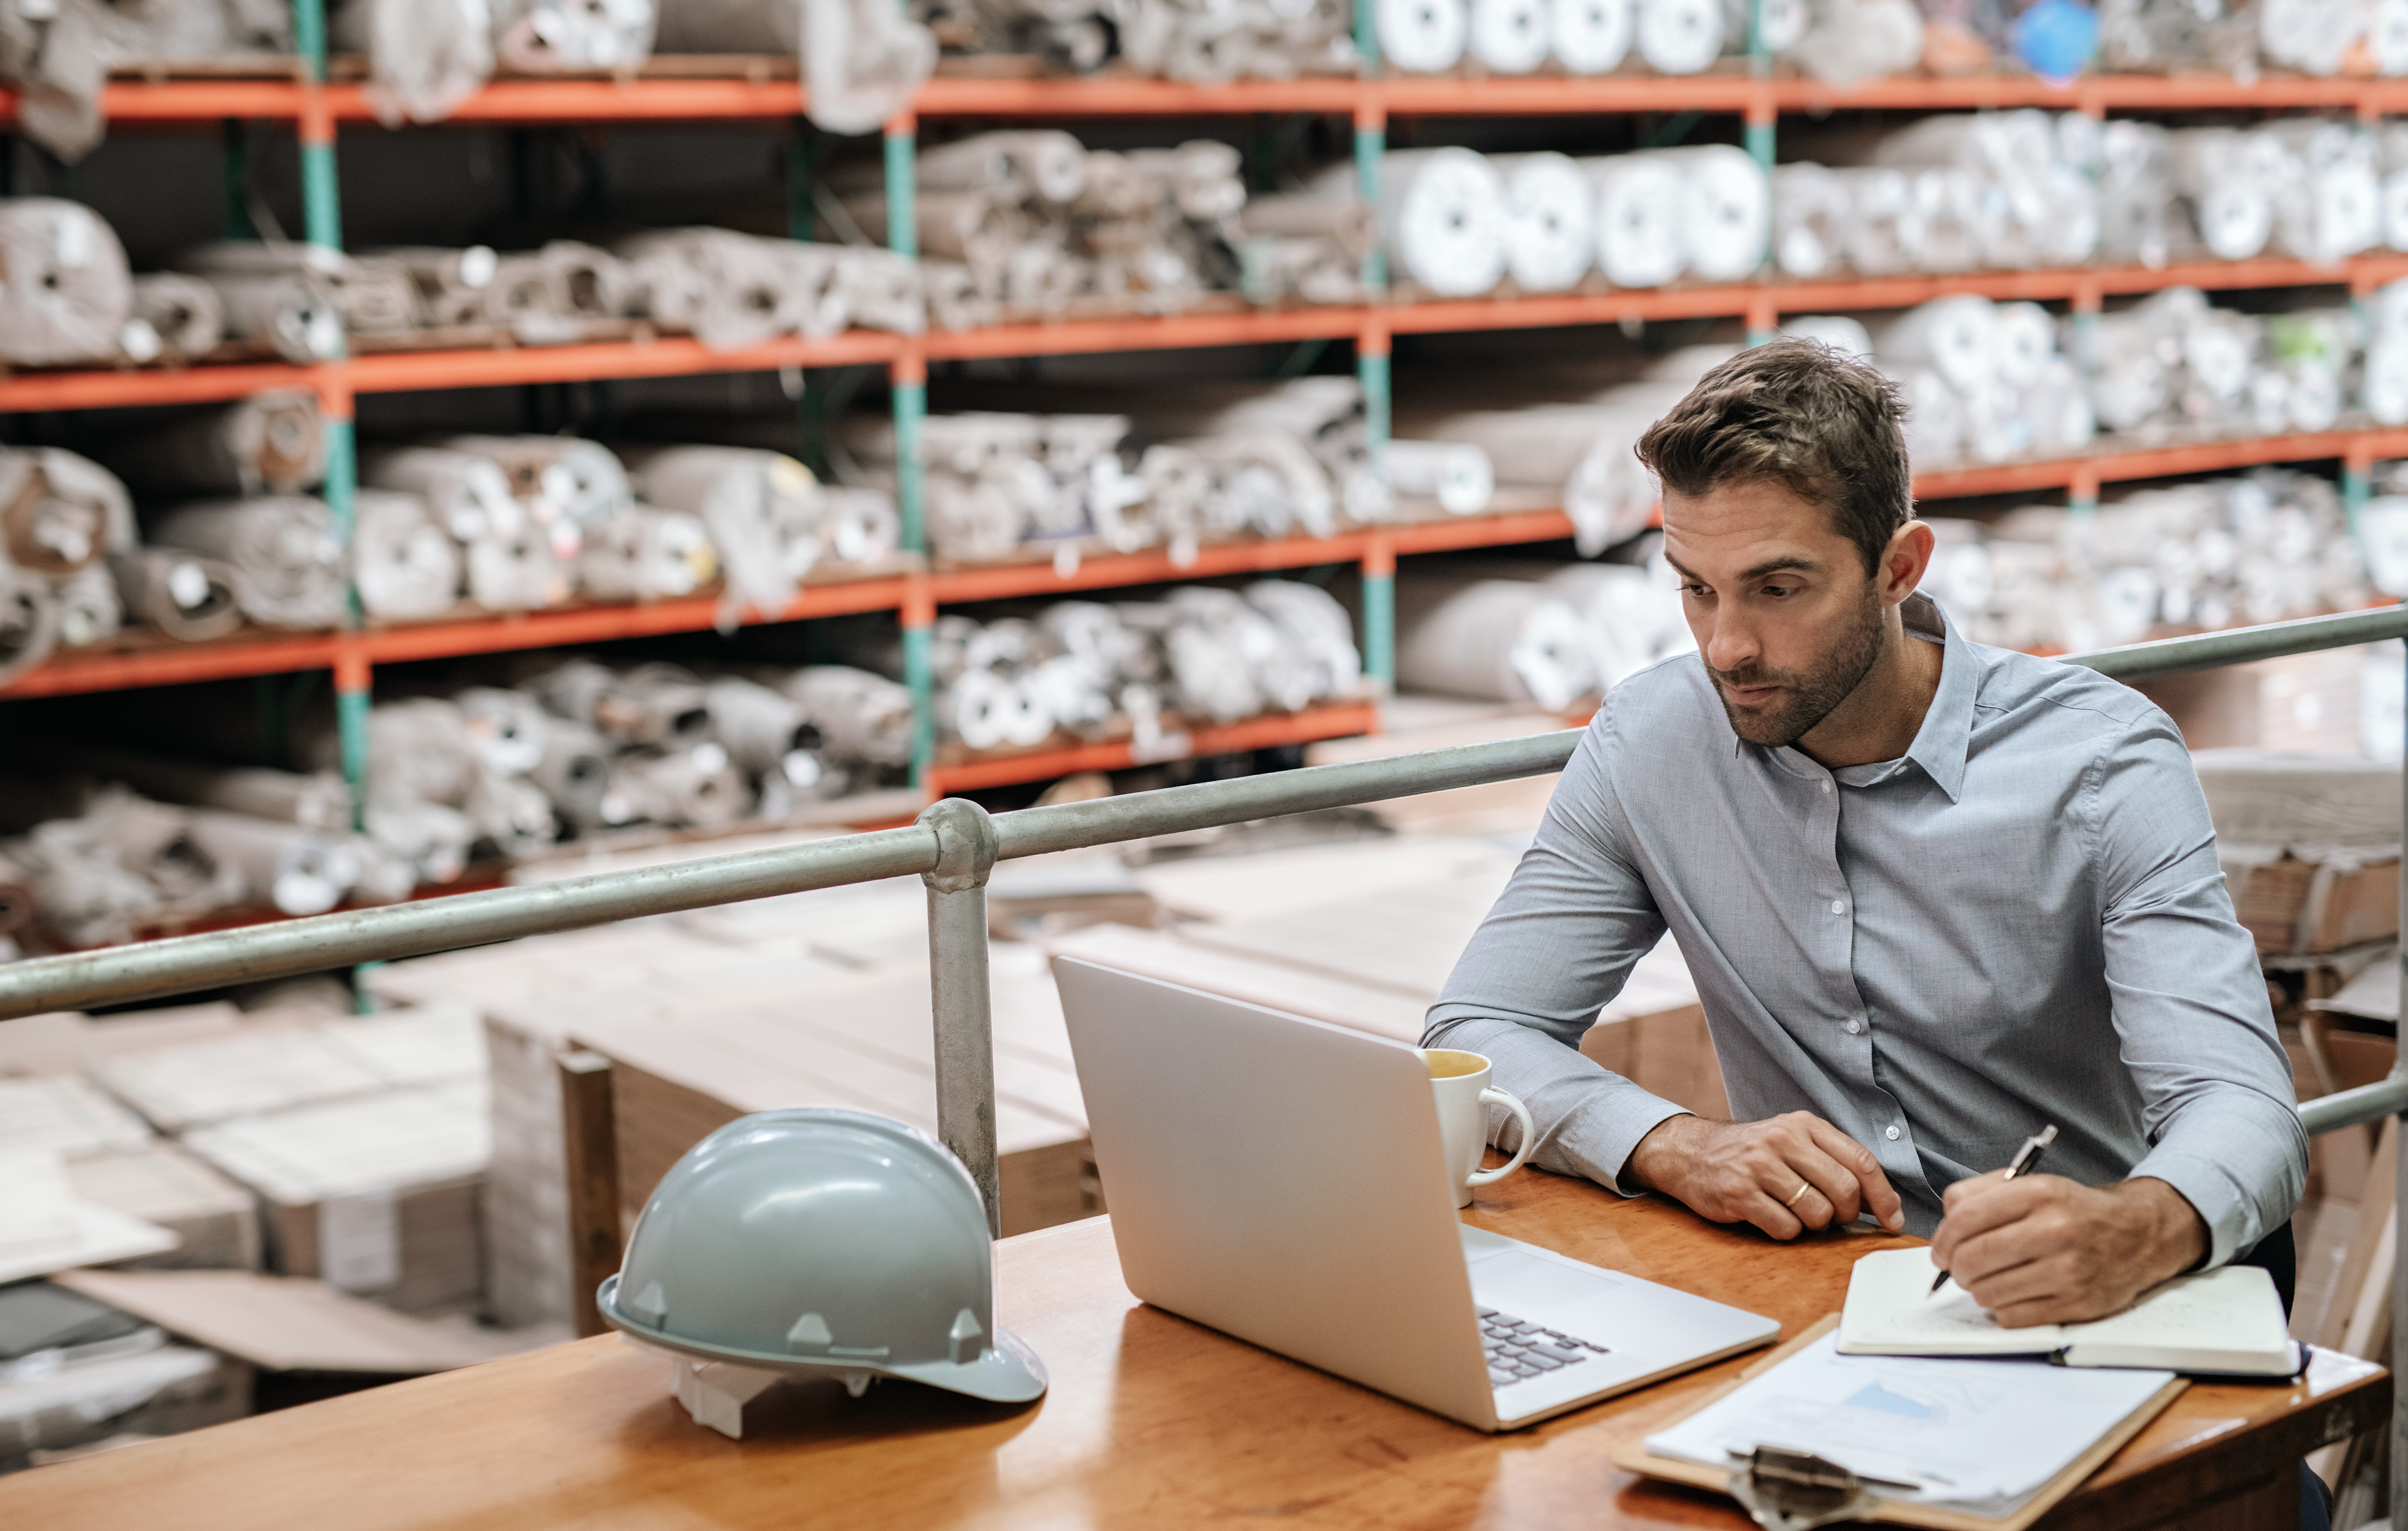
(1807, 695)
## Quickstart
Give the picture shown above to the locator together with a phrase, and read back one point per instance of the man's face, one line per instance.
(1785, 618)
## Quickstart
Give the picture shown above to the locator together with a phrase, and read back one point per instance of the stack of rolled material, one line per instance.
(761, 510)
(862, 59)
(182, 315)
(269, 443)
(735, 290)
(116, 859)
(1095, 670)
(63, 518)
(1304, 245)
(2173, 362)
(424, 56)
(1038, 221)
(1569, 435)
(1984, 381)
(1548, 640)
(2213, 554)
(60, 55)
(1840, 41)
(282, 553)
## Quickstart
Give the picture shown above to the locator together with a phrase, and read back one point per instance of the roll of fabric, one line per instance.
(860, 715)
(761, 509)
(467, 493)
(696, 787)
(2313, 36)
(880, 289)
(1811, 216)
(292, 312)
(1590, 36)
(1455, 475)
(1551, 221)
(561, 36)
(1443, 217)
(370, 296)
(450, 281)
(2332, 206)
(29, 622)
(60, 512)
(1423, 36)
(1884, 231)
(316, 802)
(2231, 183)
(284, 553)
(1726, 213)
(183, 594)
(1679, 36)
(575, 773)
(407, 565)
(1016, 164)
(182, 312)
(65, 294)
(1956, 337)
(1508, 36)
(563, 484)
(424, 56)
(1642, 210)
(861, 61)
(298, 870)
(1317, 628)
(1848, 41)
(272, 442)
(737, 289)
(1343, 219)
(642, 554)
(768, 737)
(974, 520)
(1499, 640)
(1846, 336)
(89, 610)
(858, 525)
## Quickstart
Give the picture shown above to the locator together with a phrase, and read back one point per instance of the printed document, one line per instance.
(1978, 1434)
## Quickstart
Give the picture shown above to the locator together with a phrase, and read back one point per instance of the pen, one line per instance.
(2026, 1159)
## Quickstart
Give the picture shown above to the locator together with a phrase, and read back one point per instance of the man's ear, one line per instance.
(1904, 561)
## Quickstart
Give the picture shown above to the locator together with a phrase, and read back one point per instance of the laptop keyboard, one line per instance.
(1518, 1349)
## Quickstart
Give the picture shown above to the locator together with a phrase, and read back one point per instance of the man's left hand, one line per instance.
(2041, 1248)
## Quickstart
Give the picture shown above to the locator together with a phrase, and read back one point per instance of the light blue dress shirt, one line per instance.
(2021, 921)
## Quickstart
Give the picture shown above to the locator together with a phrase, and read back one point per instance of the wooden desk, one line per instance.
(1152, 1422)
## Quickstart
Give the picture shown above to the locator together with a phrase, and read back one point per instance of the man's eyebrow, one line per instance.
(1770, 565)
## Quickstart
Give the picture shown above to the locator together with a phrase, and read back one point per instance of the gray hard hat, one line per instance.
(812, 1239)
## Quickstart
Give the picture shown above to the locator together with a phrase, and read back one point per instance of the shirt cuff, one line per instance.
(2222, 1203)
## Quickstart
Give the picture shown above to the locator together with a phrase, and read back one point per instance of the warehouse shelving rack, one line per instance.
(765, 89)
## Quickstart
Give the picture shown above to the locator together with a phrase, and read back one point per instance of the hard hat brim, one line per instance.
(1007, 1372)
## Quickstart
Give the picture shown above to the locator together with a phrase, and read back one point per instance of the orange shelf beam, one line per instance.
(659, 98)
(1332, 722)
(148, 660)
(955, 587)
(672, 356)
(2113, 465)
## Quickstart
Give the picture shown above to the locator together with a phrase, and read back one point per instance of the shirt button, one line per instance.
(1825, 783)
(1838, 907)
(1856, 1026)
(1890, 1133)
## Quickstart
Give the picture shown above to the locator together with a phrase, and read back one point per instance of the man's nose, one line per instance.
(1731, 644)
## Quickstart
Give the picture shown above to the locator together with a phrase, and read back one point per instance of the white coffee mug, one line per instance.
(1460, 1082)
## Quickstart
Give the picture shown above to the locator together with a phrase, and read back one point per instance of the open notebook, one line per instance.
(2224, 1321)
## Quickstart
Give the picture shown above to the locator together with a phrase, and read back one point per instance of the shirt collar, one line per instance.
(1941, 743)
(1941, 740)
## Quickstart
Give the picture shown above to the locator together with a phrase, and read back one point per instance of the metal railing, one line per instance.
(954, 846)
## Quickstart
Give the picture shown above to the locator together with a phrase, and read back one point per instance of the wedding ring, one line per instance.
(1803, 1187)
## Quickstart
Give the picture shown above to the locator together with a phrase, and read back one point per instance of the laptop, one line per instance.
(1280, 1180)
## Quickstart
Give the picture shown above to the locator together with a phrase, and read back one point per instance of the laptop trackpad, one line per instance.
(1522, 1283)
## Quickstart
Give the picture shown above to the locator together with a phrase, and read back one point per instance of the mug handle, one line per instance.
(1493, 1096)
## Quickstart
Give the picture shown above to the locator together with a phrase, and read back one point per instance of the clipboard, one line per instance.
(1637, 1458)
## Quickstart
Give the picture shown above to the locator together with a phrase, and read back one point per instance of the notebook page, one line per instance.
(1892, 1310)
(2234, 1310)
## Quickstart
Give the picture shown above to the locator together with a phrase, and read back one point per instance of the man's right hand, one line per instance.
(1752, 1171)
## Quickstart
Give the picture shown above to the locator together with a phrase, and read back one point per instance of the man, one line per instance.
(1934, 895)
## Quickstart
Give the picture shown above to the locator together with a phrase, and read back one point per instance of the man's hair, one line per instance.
(1800, 412)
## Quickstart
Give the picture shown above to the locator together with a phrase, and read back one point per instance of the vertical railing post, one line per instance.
(957, 987)
(1371, 144)
(2399, 1223)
